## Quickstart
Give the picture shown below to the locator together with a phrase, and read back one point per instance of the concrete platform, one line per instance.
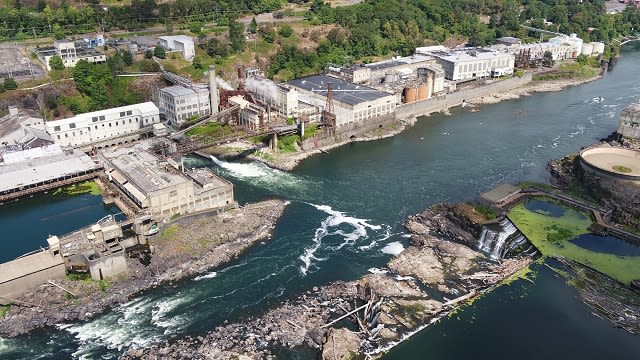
(608, 161)
(27, 272)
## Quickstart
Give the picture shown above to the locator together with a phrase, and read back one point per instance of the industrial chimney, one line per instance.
(213, 90)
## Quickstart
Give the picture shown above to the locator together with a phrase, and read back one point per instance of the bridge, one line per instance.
(190, 145)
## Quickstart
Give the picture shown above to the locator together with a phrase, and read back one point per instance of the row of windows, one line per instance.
(73, 125)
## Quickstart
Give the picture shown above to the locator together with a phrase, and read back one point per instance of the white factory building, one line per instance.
(250, 115)
(352, 102)
(181, 43)
(104, 127)
(158, 187)
(69, 53)
(468, 64)
(32, 168)
(278, 99)
(179, 103)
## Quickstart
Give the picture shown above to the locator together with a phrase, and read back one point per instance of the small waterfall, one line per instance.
(504, 240)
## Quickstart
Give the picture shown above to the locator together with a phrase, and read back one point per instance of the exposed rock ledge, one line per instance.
(190, 245)
(391, 303)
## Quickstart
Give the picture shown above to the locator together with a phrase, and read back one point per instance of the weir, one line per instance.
(503, 240)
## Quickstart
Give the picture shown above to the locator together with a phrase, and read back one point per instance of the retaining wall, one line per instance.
(25, 273)
(446, 101)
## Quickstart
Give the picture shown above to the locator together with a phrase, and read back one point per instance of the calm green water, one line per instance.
(345, 216)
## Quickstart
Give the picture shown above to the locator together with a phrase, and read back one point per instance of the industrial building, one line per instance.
(629, 125)
(161, 187)
(70, 53)
(398, 68)
(32, 170)
(181, 43)
(352, 102)
(250, 115)
(279, 99)
(23, 128)
(105, 127)
(178, 103)
(467, 64)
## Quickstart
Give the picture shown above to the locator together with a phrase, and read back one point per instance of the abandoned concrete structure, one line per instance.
(161, 187)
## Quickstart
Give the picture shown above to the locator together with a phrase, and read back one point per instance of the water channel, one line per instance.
(345, 217)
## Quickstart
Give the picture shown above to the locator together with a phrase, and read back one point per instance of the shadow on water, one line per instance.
(607, 245)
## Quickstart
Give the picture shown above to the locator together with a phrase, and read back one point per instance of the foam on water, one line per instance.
(336, 224)
(137, 323)
(393, 248)
(248, 170)
(377, 271)
(206, 276)
(259, 174)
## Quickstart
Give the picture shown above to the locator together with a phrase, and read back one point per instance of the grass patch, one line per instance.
(569, 71)
(551, 236)
(170, 232)
(622, 169)
(4, 310)
(288, 143)
(78, 276)
(209, 129)
(487, 211)
(87, 187)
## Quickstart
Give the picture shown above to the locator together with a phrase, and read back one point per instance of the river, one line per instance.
(345, 217)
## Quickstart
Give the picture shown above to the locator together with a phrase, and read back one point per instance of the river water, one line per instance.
(345, 217)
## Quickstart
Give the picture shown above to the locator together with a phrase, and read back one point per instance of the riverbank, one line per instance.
(384, 128)
(436, 273)
(187, 246)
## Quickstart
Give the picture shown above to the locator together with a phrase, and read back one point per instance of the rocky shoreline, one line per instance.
(187, 246)
(385, 306)
(288, 161)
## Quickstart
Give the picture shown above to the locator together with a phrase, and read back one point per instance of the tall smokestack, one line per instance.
(213, 90)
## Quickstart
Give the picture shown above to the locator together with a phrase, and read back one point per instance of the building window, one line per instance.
(122, 114)
(109, 124)
(58, 137)
(129, 112)
(56, 128)
(102, 117)
(94, 119)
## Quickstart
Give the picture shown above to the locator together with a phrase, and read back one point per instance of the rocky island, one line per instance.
(186, 246)
(439, 270)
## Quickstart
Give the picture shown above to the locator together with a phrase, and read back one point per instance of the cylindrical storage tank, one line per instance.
(587, 49)
(598, 48)
(410, 95)
(422, 92)
(429, 85)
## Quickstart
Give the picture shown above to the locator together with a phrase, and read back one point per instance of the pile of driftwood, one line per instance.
(606, 297)
(366, 315)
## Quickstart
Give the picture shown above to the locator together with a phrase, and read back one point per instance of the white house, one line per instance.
(181, 43)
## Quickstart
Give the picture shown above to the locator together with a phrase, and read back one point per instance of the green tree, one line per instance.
(236, 35)
(127, 57)
(55, 63)
(148, 54)
(10, 84)
(159, 52)
(547, 59)
(285, 31)
(253, 26)
(216, 48)
(582, 59)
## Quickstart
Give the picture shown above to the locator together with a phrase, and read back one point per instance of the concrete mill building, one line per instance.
(159, 188)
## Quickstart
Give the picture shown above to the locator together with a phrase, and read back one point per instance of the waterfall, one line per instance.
(503, 239)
